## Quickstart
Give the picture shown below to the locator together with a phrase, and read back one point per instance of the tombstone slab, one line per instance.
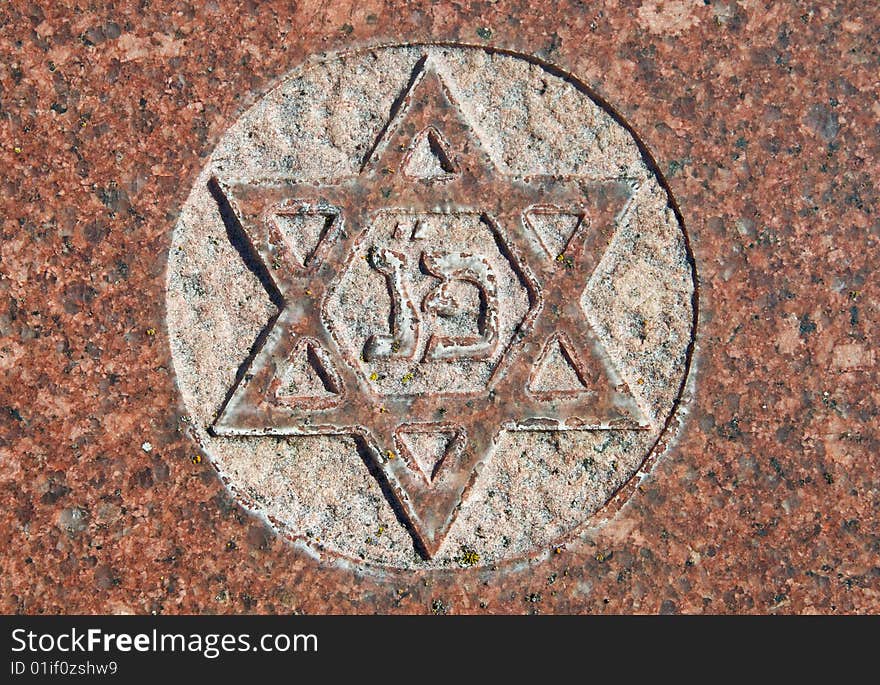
(450, 310)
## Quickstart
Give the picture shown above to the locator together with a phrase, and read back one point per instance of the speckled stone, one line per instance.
(524, 450)
(763, 117)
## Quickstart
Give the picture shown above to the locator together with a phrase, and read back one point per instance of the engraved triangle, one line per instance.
(430, 479)
(429, 158)
(425, 448)
(302, 231)
(554, 227)
(581, 388)
(428, 136)
(555, 372)
(308, 376)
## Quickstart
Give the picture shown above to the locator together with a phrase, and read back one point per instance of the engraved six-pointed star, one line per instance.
(299, 236)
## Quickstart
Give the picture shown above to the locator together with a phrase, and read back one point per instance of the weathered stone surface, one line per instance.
(763, 123)
(434, 241)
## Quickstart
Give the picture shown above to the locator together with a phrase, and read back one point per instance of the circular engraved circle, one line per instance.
(429, 306)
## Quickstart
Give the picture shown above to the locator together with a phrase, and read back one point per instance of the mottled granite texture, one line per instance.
(763, 118)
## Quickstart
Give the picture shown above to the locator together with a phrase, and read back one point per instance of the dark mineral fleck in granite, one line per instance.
(763, 117)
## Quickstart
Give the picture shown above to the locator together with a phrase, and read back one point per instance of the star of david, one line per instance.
(426, 490)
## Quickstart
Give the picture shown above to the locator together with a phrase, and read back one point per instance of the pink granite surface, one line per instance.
(763, 117)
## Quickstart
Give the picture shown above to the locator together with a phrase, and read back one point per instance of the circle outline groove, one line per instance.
(618, 497)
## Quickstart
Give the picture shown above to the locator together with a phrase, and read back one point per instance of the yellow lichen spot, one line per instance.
(308, 292)
(600, 557)
(374, 376)
(468, 557)
(151, 332)
(407, 378)
(641, 381)
(197, 459)
(17, 150)
(390, 454)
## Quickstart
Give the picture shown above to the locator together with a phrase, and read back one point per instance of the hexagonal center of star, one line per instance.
(427, 302)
